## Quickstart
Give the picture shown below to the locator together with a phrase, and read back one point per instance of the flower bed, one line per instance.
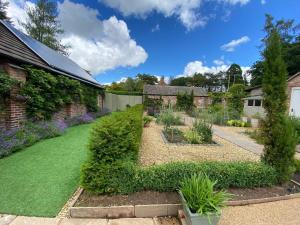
(31, 132)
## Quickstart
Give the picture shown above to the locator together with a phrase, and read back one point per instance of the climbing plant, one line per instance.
(6, 83)
(48, 93)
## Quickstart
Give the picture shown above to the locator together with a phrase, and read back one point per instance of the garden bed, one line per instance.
(152, 197)
(178, 139)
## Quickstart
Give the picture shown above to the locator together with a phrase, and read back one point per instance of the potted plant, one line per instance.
(201, 203)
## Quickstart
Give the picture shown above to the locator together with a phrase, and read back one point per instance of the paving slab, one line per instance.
(132, 221)
(6, 219)
(83, 222)
(22, 220)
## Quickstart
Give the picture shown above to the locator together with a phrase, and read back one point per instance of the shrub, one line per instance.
(296, 123)
(185, 101)
(256, 135)
(146, 120)
(130, 178)
(114, 142)
(168, 118)
(204, 130)
(174, 135)
(153, 105)
(201, 197)
(297, 165)
(235, 96)
(236, 123)
(193, 137)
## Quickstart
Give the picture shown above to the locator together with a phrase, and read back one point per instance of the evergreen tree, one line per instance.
(279, 134)
(3, 8)
(42, 25)
(234, 75)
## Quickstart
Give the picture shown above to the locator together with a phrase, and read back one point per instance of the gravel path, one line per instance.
(154, 151)
(273, 213)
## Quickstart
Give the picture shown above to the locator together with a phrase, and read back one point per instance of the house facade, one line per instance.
(17, 50)
(253, 103)
(169, 94)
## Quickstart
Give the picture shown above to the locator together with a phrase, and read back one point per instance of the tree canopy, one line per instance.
(3, 8)
(42, 25)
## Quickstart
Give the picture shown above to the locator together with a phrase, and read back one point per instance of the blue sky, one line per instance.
(117, 38)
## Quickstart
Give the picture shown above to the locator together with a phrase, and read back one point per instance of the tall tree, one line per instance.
(3, 8)
(42, 25)
(234, 75)
(147, 78)
(256, 71)
(278, 132)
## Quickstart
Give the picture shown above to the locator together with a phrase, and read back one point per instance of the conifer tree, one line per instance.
(279, 134)
(42, 25)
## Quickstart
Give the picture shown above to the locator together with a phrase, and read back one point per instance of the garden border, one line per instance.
(183, 144)
(156, 210)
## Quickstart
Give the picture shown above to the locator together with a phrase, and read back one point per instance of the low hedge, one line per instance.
(112, 165)
(125, 177)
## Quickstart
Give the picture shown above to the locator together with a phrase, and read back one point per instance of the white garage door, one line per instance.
(295, 102)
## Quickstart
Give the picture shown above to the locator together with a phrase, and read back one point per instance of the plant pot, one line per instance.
(196, 219)
(254, 122)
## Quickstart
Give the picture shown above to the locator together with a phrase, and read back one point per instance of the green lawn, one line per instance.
(39, 180)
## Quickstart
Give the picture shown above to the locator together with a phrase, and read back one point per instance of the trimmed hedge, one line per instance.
(125, 177)
(112, 165)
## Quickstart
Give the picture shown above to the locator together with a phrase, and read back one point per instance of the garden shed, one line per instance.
(253, 103)
(17, 50)
(169, 93)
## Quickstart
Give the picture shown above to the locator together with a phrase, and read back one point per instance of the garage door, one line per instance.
(295, 102)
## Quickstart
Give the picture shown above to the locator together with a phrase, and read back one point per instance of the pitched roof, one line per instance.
(173, 90)
(47, 56)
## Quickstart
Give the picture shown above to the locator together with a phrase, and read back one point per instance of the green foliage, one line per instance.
(201, 197)
(48, 93)
(168, 118)
(256, 135)
(155, 103)
(216, 97)
(90, 97)
(128, 178)
(235, 75)
(147, 120)
(116, 92)
(235, 96)
(42, 25)
(185, 101)
(204, 130)
(114, 143)
(296, 123)
(236, 123)
(193, 137)
(297, 165)
(279, 134)
(6, 84)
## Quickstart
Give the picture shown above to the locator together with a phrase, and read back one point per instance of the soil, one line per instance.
(152, 197)
(138, 198)
(267, 192)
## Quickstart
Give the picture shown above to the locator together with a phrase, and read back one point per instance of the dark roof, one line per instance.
(20, 46)
(173, 90)
(294, 76)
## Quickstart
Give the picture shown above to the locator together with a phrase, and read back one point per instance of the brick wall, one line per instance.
(15, 112)
(199, 102)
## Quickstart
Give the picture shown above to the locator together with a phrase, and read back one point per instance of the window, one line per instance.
(250, 102)
(257, 102)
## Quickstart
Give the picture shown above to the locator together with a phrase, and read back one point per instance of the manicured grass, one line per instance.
(39, 180)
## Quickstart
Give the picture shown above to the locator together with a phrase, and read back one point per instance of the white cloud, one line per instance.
(199, 67)
(156, 28)
(184, 10)
(187, 11)
(230, 47)
(263, 2)
(96, 45)
(220, 61)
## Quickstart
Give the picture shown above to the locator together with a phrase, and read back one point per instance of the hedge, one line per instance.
(125, 177)
(112, 165)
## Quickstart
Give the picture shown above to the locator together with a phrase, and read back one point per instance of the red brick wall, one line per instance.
(15, 112)
(199, 102)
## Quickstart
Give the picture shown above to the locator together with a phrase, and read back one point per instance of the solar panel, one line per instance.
(51, 57)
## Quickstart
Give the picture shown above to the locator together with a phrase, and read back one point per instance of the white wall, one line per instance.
(115, 102)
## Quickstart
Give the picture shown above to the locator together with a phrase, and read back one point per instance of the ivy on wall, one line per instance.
(47, 94)
(6, 84)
